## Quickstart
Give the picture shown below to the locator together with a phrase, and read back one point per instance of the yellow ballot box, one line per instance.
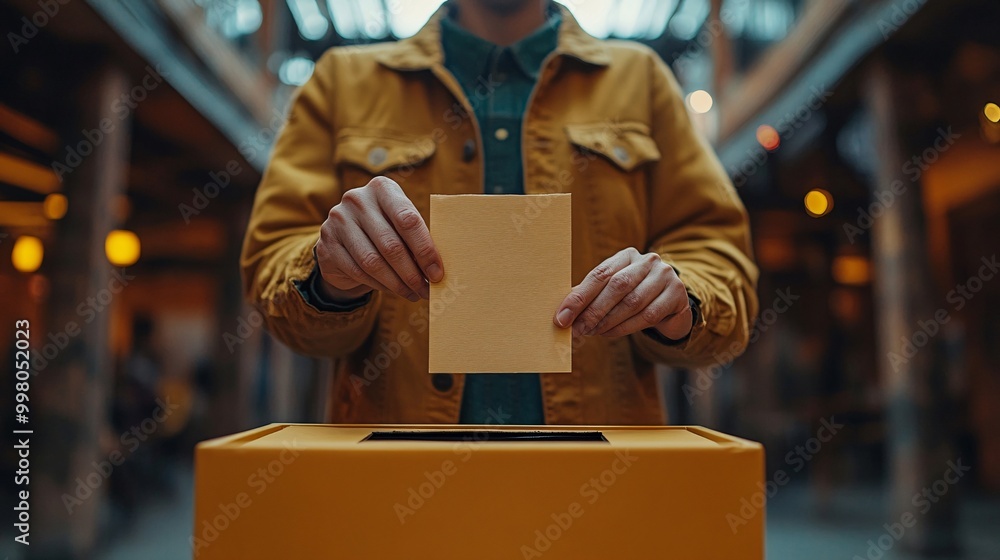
(303, 491)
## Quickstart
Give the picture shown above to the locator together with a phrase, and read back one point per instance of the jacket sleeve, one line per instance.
(698, 225)
(293, 199)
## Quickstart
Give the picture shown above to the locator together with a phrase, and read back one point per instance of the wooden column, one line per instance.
(919, 449)
(71, 399)
(723, 63)
(230, 398)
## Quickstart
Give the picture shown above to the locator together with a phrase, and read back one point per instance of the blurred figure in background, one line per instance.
(150, 426)
(136, 395)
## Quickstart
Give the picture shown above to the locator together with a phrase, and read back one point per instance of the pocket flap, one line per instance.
(377, 151)
(626, 144)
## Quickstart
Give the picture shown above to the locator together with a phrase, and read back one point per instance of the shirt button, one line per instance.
(468, 150)
(442, 381)
(501, 134)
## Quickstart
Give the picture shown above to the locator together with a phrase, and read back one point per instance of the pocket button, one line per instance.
(621, 154)
(377, 155)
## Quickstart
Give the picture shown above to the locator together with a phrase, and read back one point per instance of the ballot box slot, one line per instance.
(486, 435)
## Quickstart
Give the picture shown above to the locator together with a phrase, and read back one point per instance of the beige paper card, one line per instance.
(507, 262)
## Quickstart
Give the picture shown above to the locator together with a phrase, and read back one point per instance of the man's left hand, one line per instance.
(628, 293)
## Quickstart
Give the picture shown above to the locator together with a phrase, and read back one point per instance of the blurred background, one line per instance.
(863, 136)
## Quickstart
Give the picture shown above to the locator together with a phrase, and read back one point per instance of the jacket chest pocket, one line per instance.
(362, 154)
(609, 164)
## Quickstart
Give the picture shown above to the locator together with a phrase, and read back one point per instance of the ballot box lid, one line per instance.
(401, 437)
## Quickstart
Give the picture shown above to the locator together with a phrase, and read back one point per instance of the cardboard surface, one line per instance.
(507, 262)
(334, 437)
(314, 492)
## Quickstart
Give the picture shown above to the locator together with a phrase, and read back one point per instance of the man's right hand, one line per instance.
(376, 239)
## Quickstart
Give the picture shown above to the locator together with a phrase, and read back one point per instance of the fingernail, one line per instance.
(562, 319)
(413, 297)
(434, 273)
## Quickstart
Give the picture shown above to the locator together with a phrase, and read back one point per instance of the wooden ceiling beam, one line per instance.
(245, 82)
(22, 214)
(779, 65)
(28, 131)
(28, 175)
(147, 32)
(771, 94)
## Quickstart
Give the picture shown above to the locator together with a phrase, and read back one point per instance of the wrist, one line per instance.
(671, 333)
(334, 294)
(331, 293)
(665, 336)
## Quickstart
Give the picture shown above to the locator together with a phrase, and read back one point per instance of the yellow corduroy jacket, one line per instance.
(606, 122)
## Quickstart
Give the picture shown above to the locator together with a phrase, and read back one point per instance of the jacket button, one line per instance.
(469, 150)
(442, 381)
(377, 155)
(622, 154)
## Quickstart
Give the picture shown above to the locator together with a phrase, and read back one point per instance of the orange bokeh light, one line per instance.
(768, 137)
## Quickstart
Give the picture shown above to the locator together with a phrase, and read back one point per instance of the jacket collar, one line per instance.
(423, 50)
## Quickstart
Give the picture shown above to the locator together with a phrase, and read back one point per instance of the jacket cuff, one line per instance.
(305, 310)
(295, 321)
(695, 348)
(656, 335)
(313, 295)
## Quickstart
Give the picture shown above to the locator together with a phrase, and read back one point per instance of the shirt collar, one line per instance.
(424, 50)
(469, 51)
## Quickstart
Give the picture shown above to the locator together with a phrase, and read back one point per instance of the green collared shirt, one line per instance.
(498, 82)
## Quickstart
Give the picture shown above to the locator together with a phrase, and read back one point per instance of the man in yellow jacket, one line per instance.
(505, 97)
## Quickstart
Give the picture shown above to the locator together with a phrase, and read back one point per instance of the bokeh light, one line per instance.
(700, 101)
(122, 247)
(851, 270)
(55, 206)
(818, 203)
(27, 254)
(768, 137)
(992, 112)
(296, 71)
